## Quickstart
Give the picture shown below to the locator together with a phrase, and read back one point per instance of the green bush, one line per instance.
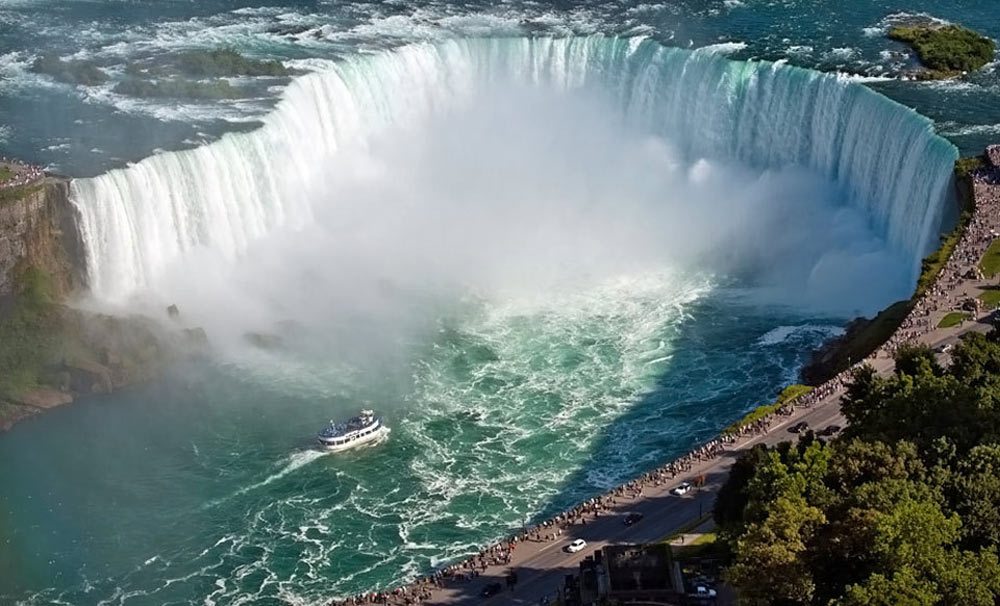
(965, 166)
(787, 394)
(11, 194)
(27, 333)
(948, 48)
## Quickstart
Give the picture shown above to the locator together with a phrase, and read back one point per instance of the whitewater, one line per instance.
(138, 220)
(550, 263)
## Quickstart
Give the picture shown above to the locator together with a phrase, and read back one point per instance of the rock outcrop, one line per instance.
(38, 228)
(51, 351)
(993, 155)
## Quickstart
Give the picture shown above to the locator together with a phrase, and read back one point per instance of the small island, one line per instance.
(946, 51)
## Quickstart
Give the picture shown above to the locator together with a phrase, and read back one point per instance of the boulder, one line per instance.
(195, 337)
(993, 155)
(263, 341)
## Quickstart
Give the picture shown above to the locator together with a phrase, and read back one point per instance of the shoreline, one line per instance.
(943, 294)
(501, 552)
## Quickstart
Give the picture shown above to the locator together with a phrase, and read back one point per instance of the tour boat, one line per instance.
(362, 429)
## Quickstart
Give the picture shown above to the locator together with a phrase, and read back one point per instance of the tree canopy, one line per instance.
(902, 508)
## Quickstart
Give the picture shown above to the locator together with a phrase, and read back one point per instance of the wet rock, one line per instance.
(89, 377)
(195, 337)
(43, 398)
(264, 341)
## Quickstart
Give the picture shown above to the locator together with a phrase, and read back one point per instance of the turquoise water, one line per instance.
(544, 295)
(204, 487)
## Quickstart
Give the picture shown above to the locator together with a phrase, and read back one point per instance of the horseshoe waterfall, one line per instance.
(224, 195)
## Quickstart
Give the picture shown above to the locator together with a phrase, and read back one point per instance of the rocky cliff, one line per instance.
(50, 350)
(38, 229)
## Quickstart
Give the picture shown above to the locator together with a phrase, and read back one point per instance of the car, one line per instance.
(576, 545)
(701, 592)
(799, 427)
(491, 590)
(632, 518)
(682, 489)
(829, 430)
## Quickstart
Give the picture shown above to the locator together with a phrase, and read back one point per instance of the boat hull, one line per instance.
(361, 441)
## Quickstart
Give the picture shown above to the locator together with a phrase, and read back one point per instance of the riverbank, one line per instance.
(708, 465)
(52, 351)
(862, 336)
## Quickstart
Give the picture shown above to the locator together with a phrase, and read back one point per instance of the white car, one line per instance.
(576, 545)
(682, 489)
(703, 592)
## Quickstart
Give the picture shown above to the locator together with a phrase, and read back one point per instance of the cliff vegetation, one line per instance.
(787, 394)
(51, 352)
(902, 508)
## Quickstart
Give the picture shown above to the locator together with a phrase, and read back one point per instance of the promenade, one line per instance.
(14, 173)
(538, 557)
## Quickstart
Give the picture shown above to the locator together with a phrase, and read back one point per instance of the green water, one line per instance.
(205, 487)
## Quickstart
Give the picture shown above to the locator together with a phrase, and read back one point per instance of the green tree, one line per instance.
(976, 487)
(770, 564)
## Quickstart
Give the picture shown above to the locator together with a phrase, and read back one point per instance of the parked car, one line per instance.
(702, 592)
(682, 489)
(799, 427)
(491, 590)
(576, 545)
(632, 518)
(829, 430)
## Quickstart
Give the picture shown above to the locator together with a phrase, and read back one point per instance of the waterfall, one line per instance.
(138, 219)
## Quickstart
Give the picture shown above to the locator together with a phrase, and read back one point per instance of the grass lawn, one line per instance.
(700, 547)
(991, 260)
(953, 319)
(789, 393)
(5, 173)
(991, 298)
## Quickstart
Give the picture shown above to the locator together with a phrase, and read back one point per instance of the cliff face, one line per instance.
(51, 352)
(38, 229)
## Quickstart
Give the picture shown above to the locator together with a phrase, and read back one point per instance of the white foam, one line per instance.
(781, 334)
(723, 48)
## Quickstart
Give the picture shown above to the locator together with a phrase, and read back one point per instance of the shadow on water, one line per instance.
(712, 412)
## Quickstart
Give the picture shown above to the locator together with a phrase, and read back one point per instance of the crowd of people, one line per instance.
(983, 228)
(961, 269)
(18, 173)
